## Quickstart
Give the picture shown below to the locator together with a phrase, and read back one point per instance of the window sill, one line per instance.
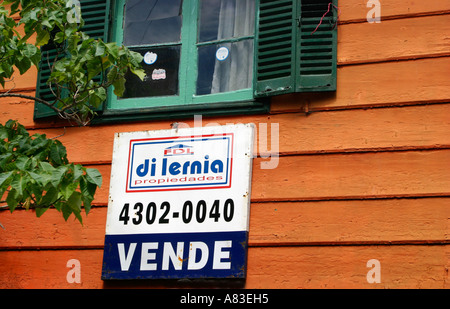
(259, 106)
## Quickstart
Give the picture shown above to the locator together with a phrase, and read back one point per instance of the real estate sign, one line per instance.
(179, 204)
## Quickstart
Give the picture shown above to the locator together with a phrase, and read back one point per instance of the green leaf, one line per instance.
(135, 58)
(100, 49)
(78, 171)
(119, 86)
(42, 37)
(14, 6)
(12, 199)
(38, 178)
(57, 175)
(87, 189)
(139, 73)
(94, 176)
(40, 211)
(59, 37)
(23, 65)
(5, 160)
(29, 50)
(19, 184)
(4, 177)
(112, 49)
(87, 201)
(57, 153)
(22, 162)
(97, 97)
(66, 211)
(68, 188)
(47, 167)
(3, 132)
(74, 203)
(50, 197)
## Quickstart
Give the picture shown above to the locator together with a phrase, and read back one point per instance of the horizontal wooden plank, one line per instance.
(363, 175)
(342, 176)
(346, 267)
(333, 131)
(17, 109)
(378, 84)
(268, 267)
(394, 39)
(337, 222)
(25, 230)
(361, 130)
(357, 11)
(271, 224)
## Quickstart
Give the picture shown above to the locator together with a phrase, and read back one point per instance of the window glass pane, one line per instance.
(152, 22)
(225, 67)
(161, 66)
(225, 19)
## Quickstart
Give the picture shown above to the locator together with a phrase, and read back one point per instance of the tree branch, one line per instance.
(23, 96)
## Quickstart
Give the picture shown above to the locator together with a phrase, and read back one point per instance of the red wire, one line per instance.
(329, 6)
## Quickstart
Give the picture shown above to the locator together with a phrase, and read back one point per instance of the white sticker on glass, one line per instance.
(158, 74)
(222, 53)
(150, 58)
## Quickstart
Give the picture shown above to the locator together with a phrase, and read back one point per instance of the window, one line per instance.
(204, 56)
(216, 56)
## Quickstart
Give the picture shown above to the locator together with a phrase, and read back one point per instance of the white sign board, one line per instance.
(179, 204)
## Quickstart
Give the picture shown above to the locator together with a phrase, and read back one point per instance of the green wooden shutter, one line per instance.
(275, 47)
(288, 58)
(316, 51)
(96, 15)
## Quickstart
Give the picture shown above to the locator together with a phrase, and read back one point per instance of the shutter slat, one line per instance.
(279, 59)
(274, 53)
(275, 73)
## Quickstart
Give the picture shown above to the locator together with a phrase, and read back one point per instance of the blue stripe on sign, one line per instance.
(175, 255)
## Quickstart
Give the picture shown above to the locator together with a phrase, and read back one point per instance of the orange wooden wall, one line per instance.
(363, 173)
